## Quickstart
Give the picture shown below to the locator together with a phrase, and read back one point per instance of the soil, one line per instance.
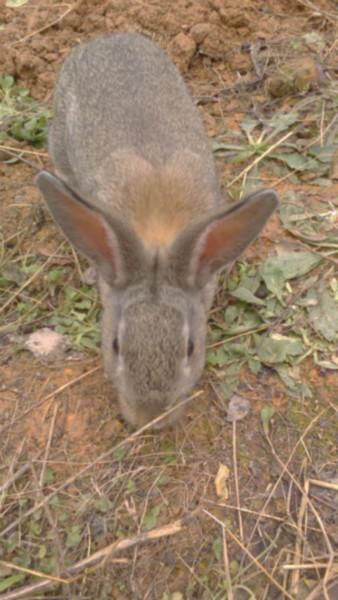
(67, 406)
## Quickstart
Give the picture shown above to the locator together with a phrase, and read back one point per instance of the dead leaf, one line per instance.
(222, 476)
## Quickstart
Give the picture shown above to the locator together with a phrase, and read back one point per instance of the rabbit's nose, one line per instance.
(157, 403)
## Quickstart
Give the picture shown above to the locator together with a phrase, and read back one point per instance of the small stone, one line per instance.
(297, 76)
(89, 276)
(47, 344)
(199, 32)
(238, 408)
(182, 48)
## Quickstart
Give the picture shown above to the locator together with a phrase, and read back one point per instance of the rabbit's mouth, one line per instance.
(153, 408)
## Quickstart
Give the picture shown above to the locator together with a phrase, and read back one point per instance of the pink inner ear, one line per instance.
(221, 240)
(89, 226)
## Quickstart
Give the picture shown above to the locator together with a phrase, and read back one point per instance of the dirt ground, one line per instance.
(78, 490)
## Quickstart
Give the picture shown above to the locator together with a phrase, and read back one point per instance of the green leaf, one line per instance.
(246, 295)
(42, 551)
(266, 415)
(277, 348)
(248, 319)
(131, 486)
(49, 476)
(283, 121)
(254, 365)
(55, 274)
(73, 537)
(294, 160)
(322, 182)
(323, 314)
(290, 376)
(323, 153)
(217, 548)
(120, 453)
(230, 380)
(244, 154)
(169, 452)
(35, 528)
(248, 124)
(278, 269)
(231, 313)
(6, 82)
(150, 519)
(273, 309)
(103, 504)
(163, 480)
(11, 580)
(217, 358)
(273, 277)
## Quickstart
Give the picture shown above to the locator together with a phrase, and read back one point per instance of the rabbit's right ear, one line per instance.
(106, 239)
(219, 237)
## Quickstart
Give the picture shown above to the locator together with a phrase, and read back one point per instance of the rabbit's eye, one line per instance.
(190, 348)
(116, 345)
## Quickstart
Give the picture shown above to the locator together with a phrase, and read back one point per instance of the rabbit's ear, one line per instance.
(218, 238)
(106, 239)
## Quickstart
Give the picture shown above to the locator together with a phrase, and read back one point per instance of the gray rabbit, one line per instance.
(136, 192)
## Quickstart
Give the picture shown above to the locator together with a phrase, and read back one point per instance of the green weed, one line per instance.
(21, 116)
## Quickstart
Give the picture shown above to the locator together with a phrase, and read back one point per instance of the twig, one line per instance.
(312, 143)
(243, 334)
(295, 577)
(324, 484)
(193, 573)
(248, 511)
(315, 593)
(18, 473)
(12, 151)
(284, 469)
(251, 556)
(234, 460)
(50, 396)
(30, 279)
(314, 511)
(332, 47)
(304, 566)
(260, 157)
(321, 126)
(49, 441)
(316, 10)
(22, 569)
(51, 24)
(254, 59)
(230, 593)
(103, 554)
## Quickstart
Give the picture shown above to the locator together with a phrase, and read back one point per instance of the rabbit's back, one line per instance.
(121, 106)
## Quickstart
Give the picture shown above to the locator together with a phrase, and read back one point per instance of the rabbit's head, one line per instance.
(155, 300)
(153, 343)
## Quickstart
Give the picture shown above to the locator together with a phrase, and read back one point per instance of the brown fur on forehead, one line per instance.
(157, 200)
(163, 207)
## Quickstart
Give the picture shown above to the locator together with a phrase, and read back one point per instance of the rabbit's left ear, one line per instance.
(106, 239)
(210, 243)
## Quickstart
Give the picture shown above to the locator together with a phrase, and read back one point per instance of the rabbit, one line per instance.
(136, 192)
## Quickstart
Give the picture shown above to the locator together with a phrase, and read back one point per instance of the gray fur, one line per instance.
(136, 192)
